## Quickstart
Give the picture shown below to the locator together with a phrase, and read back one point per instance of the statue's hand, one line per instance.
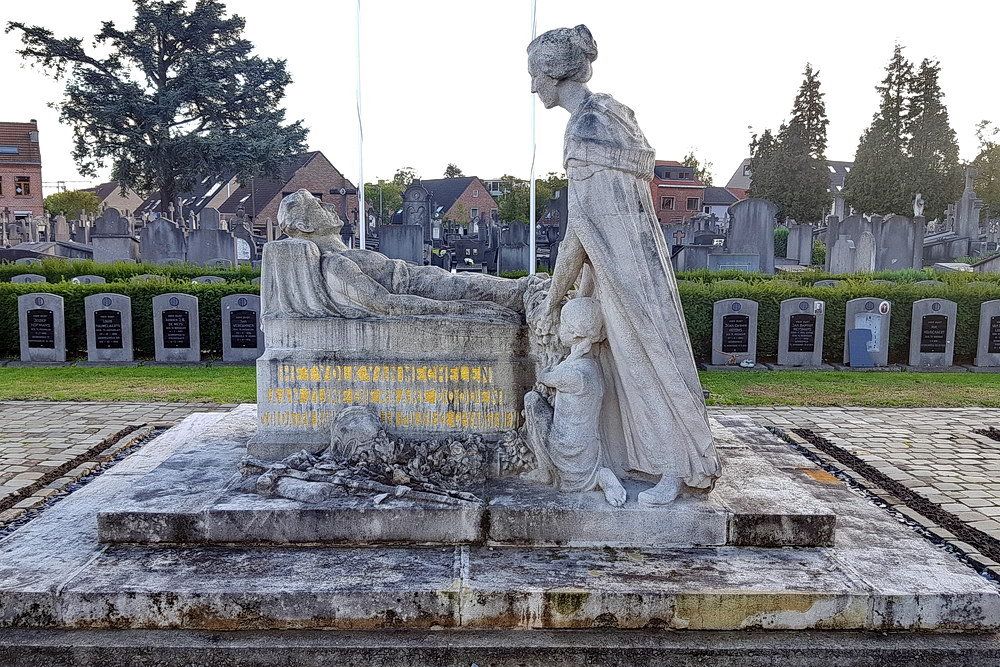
(545, 322)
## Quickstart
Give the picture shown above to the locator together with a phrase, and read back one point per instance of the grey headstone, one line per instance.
(42, 327)
(929, 283)
(209, 219)
(109, 327)
(864, 253)
(727, 261)
(242, 338)
(800, 332)
(828, 283)
(176, 330)
(899, 242)
(162, 242)
(60, 229)
(209, 279)
(751, 231)
(988, 350)
(255, 281)
(29, 278)
(932, 332)
(734, 331)
(28, 261)
(842, 256)
(404, 242)
(207, 246)
(218, 263)
(88, 280)
(873, 314)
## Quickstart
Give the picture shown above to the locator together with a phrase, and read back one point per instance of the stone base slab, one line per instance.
(756, 503)
(732, 367)
(937, 369)
(879, 575)
(819, 367)
(413, 648)
(983, 369)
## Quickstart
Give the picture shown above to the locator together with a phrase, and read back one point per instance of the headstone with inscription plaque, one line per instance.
(109, 328)
(176, 332)
(872, 314)
(988, 350)
(242, 338)
(932, 332)
(42, 327)
(88, 280)
(734, 332)
(800, 332)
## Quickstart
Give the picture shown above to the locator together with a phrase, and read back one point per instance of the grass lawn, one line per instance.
(229, 384)
(851, 388)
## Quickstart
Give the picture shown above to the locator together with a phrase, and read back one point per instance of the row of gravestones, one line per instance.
(866, 332)
(176, 331)
(94, 280)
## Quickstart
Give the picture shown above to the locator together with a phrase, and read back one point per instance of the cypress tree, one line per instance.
(935, 171)
(878, 182)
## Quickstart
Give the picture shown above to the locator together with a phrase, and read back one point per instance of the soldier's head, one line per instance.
(302, 216)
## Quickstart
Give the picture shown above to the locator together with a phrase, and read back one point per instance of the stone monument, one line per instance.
(242, 339)
(176, 329)
(871, 314)
(109, 328)
(932, 333)
(42, 327)
(800, 332)
(734, 332)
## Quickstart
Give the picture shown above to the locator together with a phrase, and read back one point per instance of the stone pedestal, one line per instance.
(427, 375)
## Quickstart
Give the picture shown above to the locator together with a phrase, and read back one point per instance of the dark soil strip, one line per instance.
(990, 432)
(986, 545)
(54, 474)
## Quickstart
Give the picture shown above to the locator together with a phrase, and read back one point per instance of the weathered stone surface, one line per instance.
(176, 331)
(191, 499)
(734, 331)
(42, 327)
(800, 332)
(988, 348)
(109, 328)
(242, 337)
(932, 332)
(879, 575)
(870, 313)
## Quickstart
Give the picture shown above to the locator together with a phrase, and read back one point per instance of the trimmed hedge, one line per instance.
(209, 312)
(698, 295)
(59, 270)
(698, 300)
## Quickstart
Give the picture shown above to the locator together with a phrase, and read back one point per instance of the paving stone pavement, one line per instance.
(45, 446)
(934, 452)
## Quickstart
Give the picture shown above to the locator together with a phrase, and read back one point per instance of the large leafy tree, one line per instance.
(176, 96)
(879, 180)
(702, 169)
(987, 164)
(385, 198)
(72, 202)
(453, 171)
(790, 169)
(935, 170)
(516, 198)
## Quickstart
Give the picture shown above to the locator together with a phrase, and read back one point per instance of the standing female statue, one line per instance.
(653, 418)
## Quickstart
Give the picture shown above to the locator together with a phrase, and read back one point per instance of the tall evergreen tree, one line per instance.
(935, 171)
(987, 164)
(879, 180)
(790, 169)
(175, 97)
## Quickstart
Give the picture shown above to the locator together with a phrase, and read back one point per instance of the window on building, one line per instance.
(667, 174)
(22, 186)
(475, 212)
(9, 150)
(694, 203)
(475, 193)
(667, 203)
(746, 170)
(1, 186)
(708, 209)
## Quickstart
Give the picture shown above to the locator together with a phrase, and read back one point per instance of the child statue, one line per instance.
(566, 439)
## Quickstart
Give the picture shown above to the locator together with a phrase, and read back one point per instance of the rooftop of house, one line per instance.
(718, 197)
(671, 172)
(19, 143)
(838, 170)
(444, 191)
(259, 192)
(104, 190)
(194, 200)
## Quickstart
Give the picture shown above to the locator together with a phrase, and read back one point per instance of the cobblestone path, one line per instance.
(46, 446)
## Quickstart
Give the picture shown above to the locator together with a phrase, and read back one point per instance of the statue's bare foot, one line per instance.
(539, 475)
(664, 493)
(614, 492)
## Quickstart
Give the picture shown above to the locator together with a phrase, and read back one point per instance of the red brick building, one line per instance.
(677, 195)
(20, 170)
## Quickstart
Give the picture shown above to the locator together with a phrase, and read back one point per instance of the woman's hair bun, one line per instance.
(581, 38)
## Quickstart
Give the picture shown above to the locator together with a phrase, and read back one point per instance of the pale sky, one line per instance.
(445, 80)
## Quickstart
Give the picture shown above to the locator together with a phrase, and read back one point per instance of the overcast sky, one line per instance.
(445, 80)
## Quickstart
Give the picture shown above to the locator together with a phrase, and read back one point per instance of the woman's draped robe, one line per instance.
(653, 417)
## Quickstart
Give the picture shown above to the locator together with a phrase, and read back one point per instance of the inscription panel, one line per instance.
(176, 329)
(802, 333)
(993, 344)
(108, 330)
(243, 329)
(934, 334)
(735, 333)
(41, 328)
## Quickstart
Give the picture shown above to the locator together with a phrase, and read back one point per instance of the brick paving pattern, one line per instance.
(37, 438)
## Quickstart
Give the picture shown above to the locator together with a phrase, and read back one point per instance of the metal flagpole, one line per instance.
(531, 189)
(362, 213)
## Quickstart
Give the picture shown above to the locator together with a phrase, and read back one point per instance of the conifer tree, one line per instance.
(878, 181)
(935, 171)
(987, 164)
(790, 169)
